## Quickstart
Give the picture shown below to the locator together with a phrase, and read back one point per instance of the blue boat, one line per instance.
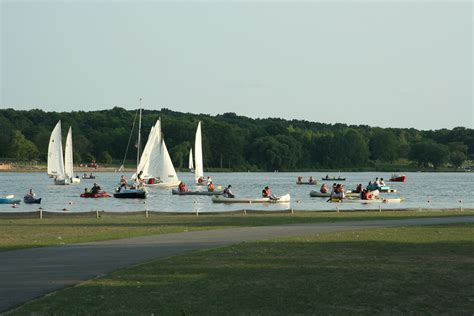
(9, 200)
(130, 193)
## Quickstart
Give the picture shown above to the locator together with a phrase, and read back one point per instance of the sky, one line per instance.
(379, 63)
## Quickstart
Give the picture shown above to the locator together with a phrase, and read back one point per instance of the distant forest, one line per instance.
(234, 142)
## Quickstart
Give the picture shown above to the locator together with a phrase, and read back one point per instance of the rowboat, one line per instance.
(196, 192)
(398, 178)
(28, 199)
(319, 194)
(95, 195)
(282, 199)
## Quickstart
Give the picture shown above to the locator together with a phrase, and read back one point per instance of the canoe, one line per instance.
(8, 200)
(282, 199)
(95, 195)
(319, 194)
(130, 194)
(177, 192)
(88, 177)
(28, 199)
(308, 183)
(333, 179)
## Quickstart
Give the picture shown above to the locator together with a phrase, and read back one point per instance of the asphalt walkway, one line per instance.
(30, 273)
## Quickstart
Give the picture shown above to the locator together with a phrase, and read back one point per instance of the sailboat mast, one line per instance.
(139, 132)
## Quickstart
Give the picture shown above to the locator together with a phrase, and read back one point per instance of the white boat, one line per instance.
(155, 162)
(281, 199)
(191, 162)
(199, 169)
(55, 157)
(68, 159)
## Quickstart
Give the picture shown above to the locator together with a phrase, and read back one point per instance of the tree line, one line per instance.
(235, 142)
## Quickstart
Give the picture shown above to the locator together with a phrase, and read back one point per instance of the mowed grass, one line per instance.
(412, 270)
(26, 233)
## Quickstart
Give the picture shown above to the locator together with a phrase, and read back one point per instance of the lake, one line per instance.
(426, 190)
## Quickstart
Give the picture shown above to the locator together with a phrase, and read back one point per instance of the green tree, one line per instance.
(105, 157)
(384, 145)
(429, 152)
(457, 158)
(21, 148)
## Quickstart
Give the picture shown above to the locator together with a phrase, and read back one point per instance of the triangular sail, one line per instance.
(55, 153)
(68, 156)
(143, 165)
(191, 163)
(199, 171)
(166, 172)
(155, 154)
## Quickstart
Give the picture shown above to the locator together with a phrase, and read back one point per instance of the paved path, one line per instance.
(29, 273)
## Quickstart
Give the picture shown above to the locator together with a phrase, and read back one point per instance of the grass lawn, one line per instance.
(26, 233)
(425, 269)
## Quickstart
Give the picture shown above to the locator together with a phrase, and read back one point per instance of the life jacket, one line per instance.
(210, 187)
(323, 190)
(151, 181)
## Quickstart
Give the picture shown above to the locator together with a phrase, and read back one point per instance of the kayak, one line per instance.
(177, 192)
(130, 194)
(281, 199)
(28, 199)
(95, 195)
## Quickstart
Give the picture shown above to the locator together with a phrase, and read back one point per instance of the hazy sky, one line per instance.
(380, 63)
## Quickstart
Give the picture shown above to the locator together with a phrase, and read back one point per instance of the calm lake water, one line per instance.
(428, 190)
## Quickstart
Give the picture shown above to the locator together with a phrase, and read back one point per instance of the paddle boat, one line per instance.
(196, 192)
(398, 178)
(9, 199)
(381, 188)
(281, 199)
(90, 176)
(95, 195)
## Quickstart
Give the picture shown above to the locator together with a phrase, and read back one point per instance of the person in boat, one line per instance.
(85, 176)
(210, 187)
(377, 182)
(182, 187)
(30, 194)
(381, 183)
(209, 180)
(327, 176)
(86, 191)
(91, 175)
(311, 180)
(338, 192)
(266, 193)
(228, 193)
(300, 179)
(95, 188)
(324, 188)
(140, 176)
(366, 195)
(358, 188)
(123, 181)
(200, 180)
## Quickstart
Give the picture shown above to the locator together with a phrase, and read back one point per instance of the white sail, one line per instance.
(155, 154)
(55, 154)
(199, 171)
(68, 159)
(166, 172)
(143, 165)
(191, 163)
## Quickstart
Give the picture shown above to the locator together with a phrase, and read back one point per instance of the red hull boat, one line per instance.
(398, 178)
(95, 195)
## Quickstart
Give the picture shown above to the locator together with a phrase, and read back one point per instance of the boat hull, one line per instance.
(319, 194)
(398, 179)
(333, 179)
(306, 183)
(61, 181)
(95, 195)
(130, 194)
(9, 201)
(31, 200)
(281, 199)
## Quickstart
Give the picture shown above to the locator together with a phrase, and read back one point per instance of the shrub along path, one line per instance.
(29, 273)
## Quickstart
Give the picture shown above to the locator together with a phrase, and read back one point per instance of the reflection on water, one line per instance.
(428, 190)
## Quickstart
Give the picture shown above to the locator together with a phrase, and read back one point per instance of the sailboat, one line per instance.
(68, 159)
(133, 193)
(199, 171)
(191, 162)
(155, 163)
(55, 157)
